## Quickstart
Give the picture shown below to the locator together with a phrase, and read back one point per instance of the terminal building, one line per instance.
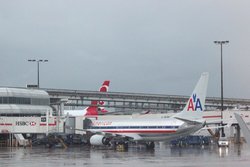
(24, 102)
(26, 111)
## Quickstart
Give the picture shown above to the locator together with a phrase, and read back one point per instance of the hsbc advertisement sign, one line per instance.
(25, 123)
(29, 124)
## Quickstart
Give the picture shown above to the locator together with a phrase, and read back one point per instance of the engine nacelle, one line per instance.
(99, 140)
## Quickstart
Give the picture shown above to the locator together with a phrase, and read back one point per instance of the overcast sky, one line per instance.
(146, 46)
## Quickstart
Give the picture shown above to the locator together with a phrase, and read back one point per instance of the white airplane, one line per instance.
(94, 109)
(148, 130)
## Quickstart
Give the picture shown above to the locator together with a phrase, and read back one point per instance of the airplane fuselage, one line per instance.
(145, 129)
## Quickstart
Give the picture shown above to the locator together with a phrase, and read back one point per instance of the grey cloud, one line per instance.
(151, 46)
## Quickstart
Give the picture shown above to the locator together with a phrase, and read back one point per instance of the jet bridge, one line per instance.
(123, 101)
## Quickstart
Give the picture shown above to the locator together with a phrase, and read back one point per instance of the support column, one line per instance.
(237, 134)
(58, 117)
(61, 108)
(231, 131)
(47, 122)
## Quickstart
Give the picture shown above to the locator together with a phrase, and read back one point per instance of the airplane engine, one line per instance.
(98, 140)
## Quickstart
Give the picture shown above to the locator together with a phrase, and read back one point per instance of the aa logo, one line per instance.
(194, 104)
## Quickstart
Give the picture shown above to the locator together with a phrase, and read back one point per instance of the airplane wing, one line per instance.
(243, 126)
(218, 121)
(215, 127)
(190, 122)
(108, 134)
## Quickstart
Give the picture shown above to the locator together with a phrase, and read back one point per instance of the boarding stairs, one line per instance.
(21, 140)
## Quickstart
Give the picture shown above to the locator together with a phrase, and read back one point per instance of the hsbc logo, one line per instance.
(25, 123)
(32, 123)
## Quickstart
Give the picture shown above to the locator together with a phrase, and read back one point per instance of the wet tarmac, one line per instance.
(136, 156)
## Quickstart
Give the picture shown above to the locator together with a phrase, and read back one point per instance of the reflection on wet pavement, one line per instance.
(163, 155)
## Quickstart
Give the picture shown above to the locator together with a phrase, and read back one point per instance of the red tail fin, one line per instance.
(105, 86)
(92, 109)
(96, 106)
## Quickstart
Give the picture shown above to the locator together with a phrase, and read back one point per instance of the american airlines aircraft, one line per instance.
(148, 130)
(94, 109)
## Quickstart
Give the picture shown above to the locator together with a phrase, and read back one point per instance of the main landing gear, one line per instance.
(150, 145)
(121, 145)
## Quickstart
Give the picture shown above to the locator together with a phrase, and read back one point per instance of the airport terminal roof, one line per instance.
(21, 92)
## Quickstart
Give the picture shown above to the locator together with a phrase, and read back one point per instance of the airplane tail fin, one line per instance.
(97, 106)
(196, 103)
(105, 86)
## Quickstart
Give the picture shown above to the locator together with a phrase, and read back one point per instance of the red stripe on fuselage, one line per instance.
(140, 131)
(212, 116)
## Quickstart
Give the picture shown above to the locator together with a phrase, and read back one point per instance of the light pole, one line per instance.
(38, 61)
(221, 43)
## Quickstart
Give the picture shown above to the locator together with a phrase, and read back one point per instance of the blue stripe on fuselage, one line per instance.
(133, 127)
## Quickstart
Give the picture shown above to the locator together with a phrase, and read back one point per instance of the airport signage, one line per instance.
(43, 119)
(32, 86)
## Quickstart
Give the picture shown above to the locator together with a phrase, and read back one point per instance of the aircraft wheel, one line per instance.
(121, 146)
(150, 145)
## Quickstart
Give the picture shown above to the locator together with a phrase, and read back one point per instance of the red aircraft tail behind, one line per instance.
(96, 107)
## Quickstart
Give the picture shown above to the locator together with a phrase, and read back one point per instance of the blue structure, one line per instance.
(191, 140)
